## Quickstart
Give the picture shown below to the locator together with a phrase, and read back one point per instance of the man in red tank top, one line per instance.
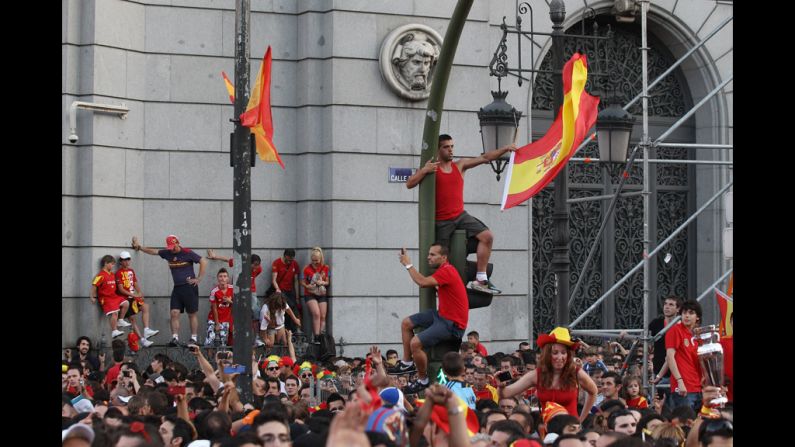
(450, 213)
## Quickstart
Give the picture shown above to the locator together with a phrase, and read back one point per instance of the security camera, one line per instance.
(73, 138)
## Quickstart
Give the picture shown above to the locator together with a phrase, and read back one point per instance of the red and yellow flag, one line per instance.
(257, 116)
(442, 420)
(229, 87)
(726, 306)
(533, 166)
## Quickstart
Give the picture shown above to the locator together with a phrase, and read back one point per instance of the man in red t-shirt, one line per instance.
(450, 213)
(682, 357)
(284, 280)
(449, 322)
(219, 319)
(104, 287)
(256, 269)
(474, 338)
(127, 285)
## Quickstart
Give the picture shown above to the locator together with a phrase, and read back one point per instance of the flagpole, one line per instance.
(242, 223)
(560, 213)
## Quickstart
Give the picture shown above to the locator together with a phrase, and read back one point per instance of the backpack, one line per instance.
(327, 347)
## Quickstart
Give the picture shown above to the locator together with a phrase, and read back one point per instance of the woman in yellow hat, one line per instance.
(557, 379)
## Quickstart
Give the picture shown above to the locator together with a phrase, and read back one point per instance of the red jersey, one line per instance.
(285, 274)
(310, 271)
(105, 283)
(224, 309)
(480, 349)
(728, 364)
(255, 271)
(453, 301)
(488, 392)
(449, 194)
(680, 338)
(112, 375)
(127, 279)
(638, 402)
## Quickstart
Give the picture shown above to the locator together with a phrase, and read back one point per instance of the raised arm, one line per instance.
(214, 257)
(467, 163)
(430, 167)
(416, 276)
(138, 247)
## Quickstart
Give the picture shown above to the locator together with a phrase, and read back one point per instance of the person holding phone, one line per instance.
(556, 378)
(450, 213)
(449, 322)
(316, 280)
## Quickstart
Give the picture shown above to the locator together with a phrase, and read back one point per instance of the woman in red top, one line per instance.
(556, 378)
(316, 280)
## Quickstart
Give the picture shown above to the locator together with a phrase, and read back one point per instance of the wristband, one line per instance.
(409, 266)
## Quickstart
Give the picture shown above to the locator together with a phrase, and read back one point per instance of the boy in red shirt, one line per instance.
(104, 287)
(127, 286)
(682, 357)
(219, 319)
(256, 269)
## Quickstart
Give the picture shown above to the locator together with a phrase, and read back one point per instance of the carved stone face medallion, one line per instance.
(408, 60)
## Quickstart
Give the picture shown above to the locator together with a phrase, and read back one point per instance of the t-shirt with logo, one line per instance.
(453, 301)
(285, 274)
(680, 338)
(181, 264)
(224, 309)
(310, 273)
(127, 279)
(105, 283)
(467, 394)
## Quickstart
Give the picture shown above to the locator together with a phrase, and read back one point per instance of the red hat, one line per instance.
(171, 241)
(558, 335)
(552, 409)
(287, 361)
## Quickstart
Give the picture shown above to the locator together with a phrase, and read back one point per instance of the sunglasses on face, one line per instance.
(306, 376)
(273, 368)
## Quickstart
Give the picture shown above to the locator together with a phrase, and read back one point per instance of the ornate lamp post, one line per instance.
(499, 122)
(613, 128)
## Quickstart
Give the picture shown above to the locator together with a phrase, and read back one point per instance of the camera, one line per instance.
(126, 373)
(73, 138)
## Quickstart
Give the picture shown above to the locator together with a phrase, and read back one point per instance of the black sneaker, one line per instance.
(415, 387)
(403, 368)
(173, 343)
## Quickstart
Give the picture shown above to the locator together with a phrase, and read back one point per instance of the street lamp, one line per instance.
(499, 122)
(613, 128)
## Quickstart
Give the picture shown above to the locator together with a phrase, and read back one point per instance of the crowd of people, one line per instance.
(564, 393)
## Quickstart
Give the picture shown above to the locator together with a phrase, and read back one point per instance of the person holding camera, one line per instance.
(556, 378)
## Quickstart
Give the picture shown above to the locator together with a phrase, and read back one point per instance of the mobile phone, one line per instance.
(505, 376)
(175, 389)
(126, 373)
(237, 369)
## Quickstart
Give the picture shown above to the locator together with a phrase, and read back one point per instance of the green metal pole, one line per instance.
(430, 143)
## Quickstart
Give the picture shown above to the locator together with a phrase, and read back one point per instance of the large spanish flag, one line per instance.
(533, 166)
(257, 116)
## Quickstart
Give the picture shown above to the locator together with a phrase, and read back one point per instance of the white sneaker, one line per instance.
(116, 333)
(260, 342)
(150, 332)
(194, 339)
(146, 343)
(123, 323)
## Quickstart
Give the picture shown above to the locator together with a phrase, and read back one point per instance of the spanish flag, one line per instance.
(726, 306)
(229, 87)
(257, 116)
(533, 166)
(442, 420)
